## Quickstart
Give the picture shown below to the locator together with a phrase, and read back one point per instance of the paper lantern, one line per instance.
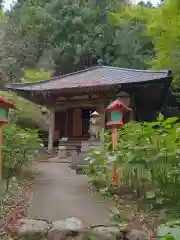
(116, 110)
(5, 105)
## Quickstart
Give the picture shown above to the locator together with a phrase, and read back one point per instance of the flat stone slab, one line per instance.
(73, 224)
(32, 229)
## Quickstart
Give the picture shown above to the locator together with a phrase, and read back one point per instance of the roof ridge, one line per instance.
(137, 70)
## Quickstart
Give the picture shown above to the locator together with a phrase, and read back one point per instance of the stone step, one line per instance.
(73, 142)
(71, 145)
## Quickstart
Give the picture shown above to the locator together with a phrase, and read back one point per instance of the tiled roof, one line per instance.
(96, 76)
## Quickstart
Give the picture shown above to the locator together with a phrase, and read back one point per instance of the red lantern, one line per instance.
(116, 110)
(5, 105)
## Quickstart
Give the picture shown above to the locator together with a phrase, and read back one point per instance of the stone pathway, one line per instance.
(59, 193)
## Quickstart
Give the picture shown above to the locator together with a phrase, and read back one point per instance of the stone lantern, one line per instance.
(78, 161)
(94, 126)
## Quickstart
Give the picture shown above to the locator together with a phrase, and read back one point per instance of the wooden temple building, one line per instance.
(72, 97)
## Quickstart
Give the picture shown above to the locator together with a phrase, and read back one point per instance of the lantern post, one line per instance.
(115, 110)
(5, 105)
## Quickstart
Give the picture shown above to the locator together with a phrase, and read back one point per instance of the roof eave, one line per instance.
(19, 87)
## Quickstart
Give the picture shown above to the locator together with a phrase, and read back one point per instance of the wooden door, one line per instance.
(77, 122)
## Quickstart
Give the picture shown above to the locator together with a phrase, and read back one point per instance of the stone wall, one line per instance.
(72, 228)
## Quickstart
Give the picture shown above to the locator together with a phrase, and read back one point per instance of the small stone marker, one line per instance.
(85, 146)
(62, 152)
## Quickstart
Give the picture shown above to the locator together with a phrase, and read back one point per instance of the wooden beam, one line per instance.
(77, 97)
(77, 103)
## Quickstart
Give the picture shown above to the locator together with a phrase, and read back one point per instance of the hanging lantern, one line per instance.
(5, 105)
(116, 110)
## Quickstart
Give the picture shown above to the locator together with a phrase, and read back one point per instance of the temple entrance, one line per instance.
(85, 116)
(73, 122)
(60, 121)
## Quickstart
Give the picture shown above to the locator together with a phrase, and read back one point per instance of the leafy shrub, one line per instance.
(23, 116)
(35, 75)
(19, 148)
(147, 162)
(169, 231)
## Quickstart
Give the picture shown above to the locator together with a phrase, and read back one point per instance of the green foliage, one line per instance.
(147, 163)
(161, 25)
(23, 116)
(67, 36)
(34, 75)
(169, 231)
(20, 147)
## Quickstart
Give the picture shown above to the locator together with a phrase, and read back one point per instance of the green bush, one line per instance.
(169, 231)
(147, 162)
(20, 147)
(23, 116)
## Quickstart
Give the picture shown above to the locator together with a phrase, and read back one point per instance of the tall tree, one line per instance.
(135, 47)
(164, 28)
(71, 35)
(162, 25)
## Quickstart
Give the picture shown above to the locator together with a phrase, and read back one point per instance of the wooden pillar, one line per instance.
(51, 130)
(101, 112)
(131, 117)
(66, 124)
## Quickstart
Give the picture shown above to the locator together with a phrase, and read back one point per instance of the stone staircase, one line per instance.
(71, 144)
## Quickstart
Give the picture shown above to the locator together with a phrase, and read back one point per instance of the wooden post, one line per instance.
(1, 142)
(114, 134)
(66, 123)
(102, 115)
(51, 130)
(131, 118)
